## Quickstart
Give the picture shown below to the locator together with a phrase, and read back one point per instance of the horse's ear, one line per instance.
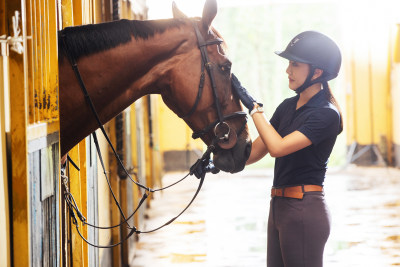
(176, 12)
(209, 12)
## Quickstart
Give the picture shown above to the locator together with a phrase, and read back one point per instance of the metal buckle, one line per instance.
(274, 192)
(224, 134)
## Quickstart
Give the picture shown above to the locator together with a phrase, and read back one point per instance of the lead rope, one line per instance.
(73, 207)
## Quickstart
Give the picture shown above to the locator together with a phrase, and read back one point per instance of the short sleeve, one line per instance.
(321, 124)
(275, 119)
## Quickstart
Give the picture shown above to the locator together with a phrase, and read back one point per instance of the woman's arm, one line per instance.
(258, 151)
(274, 143)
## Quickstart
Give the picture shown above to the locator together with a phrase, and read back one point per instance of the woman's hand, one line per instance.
(247, 100)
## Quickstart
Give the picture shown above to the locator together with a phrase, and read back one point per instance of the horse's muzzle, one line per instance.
(233, 160)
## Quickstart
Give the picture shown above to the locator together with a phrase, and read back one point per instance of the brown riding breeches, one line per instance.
(297, 231)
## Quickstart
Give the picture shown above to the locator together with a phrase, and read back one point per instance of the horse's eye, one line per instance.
(225, 68)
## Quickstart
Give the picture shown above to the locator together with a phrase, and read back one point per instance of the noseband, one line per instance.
(224, 135)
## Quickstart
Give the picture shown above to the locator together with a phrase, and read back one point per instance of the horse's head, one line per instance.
(200, 92)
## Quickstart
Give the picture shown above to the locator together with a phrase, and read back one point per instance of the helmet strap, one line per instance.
(307, 83)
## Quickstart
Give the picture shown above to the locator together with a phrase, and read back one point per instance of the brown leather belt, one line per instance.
(295, 191)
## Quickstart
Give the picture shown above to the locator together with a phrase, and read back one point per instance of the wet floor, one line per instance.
(226, 225)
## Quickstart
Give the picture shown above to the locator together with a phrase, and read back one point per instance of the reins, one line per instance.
(75, 212)
(69, 199)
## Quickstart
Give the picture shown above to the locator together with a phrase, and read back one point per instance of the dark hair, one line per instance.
(332, 100)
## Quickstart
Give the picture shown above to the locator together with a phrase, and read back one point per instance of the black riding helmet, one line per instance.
(317, 50)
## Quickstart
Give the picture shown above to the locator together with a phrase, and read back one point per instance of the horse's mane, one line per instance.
(92, 38)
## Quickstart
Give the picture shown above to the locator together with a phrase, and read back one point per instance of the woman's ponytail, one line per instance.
(332, 99)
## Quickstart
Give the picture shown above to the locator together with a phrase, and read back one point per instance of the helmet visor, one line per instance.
(291, 57)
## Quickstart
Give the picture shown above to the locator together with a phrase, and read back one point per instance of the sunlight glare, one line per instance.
(163, 9)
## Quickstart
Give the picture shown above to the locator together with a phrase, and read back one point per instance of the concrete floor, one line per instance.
(226, 225)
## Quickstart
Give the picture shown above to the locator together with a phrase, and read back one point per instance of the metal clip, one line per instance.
(65, 182)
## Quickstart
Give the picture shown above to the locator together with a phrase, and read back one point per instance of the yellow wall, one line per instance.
(396, 87)
(369, 89)
(366, 61)
(156, 157)
(176, 135)
(395, 82)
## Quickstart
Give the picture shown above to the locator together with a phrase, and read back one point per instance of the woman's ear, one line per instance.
(317, 73)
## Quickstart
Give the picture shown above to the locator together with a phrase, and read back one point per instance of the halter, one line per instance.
(226, 136)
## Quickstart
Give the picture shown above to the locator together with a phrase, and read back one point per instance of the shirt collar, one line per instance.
(318, 100)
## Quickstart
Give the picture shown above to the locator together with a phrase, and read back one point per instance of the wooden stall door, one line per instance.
(34, 126)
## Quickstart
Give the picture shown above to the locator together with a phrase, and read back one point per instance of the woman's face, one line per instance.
(297, 74)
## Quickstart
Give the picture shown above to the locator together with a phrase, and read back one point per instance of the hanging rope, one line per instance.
(76, 213)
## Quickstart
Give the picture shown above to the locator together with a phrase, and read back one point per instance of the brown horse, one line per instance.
(122, 61)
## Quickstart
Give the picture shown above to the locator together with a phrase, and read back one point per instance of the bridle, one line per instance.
(225, 137)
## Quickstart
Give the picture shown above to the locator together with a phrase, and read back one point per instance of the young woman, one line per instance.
(300, 135)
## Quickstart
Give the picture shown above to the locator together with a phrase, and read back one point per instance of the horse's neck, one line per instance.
(127, 72)
(114, 79)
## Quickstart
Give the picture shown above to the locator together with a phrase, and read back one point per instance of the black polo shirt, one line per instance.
(319, 121)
